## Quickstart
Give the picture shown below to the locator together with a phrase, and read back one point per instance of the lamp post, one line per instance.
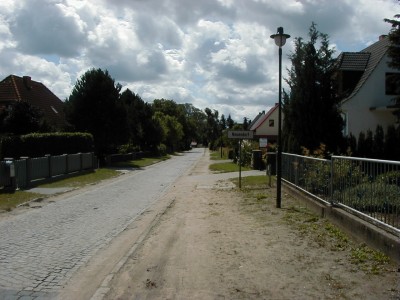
(280, 40)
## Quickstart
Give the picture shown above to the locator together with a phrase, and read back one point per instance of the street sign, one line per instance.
(240, 134)
(263, 142)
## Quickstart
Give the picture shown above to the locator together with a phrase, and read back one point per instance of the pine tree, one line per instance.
(394, 52)
(311, 114)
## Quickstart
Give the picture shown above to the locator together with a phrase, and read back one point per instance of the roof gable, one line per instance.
(376, 52)
(263, 118)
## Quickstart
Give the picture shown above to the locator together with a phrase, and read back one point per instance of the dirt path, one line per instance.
(210, 245)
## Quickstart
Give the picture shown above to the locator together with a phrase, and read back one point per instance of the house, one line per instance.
(14, 88)
(366, 82)
(265, 125)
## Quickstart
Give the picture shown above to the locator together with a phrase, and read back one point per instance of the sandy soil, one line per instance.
(208, 244)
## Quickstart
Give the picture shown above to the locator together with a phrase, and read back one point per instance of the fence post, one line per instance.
(80, 162)
(67, 161)
(48, 156)
(332, 178)
(28, 169)
(11, 174)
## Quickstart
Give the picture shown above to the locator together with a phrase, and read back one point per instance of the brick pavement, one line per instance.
(41, 249)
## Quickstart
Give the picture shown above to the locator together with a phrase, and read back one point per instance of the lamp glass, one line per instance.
(280, 40)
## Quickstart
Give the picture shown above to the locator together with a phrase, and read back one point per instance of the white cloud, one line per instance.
(215, 54)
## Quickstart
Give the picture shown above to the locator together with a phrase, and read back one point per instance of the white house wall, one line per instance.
(265, 130)
(372, 94)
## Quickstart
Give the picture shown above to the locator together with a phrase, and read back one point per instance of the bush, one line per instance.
(161, 150)
(128, 148)
(40, 144)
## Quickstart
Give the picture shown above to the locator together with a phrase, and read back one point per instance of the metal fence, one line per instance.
(369, 188)
(27, 171)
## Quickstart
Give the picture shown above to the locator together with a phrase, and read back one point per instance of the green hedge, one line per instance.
(40, 144)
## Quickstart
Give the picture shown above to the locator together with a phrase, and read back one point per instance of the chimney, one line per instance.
(27, 82)
(382, 37)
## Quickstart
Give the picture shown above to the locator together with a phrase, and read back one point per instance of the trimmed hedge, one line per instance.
(40, 144)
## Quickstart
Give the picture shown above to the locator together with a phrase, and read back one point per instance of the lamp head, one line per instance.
(280, 37)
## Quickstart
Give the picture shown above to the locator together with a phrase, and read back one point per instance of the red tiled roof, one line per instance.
(15, 88)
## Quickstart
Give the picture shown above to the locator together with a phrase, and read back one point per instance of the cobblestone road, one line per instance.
(40, 250)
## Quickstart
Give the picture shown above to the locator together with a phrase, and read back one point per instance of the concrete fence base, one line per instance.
(373, 236)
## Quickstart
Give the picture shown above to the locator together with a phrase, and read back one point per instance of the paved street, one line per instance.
(41, 249)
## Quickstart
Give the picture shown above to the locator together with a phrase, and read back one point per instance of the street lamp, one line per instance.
(280, 40)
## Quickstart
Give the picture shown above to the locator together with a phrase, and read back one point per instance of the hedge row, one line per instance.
(40, 144)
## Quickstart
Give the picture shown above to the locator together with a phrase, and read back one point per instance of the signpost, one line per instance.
(240, 135)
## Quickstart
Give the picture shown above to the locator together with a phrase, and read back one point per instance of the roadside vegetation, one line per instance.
(224, 167)
(258, 198)
(9, 201)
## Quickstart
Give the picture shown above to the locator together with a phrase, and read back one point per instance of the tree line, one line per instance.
(121, 121)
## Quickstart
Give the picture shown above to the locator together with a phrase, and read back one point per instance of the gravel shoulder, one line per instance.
(209, 243)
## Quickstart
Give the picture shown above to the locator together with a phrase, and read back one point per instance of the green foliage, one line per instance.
(213, 129)
(226, 167)
(128, 148)
(394, 52)
(94, 107)
(40, 144)
(22, 118)
(139, 120)
(8, 201)
(380, 145)
(83, 179)
(162, 150)
(311, 109)
(172, 130)
(369, 260)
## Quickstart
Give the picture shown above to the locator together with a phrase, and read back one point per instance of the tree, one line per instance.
(213, 130)
(21, 118)
(94, 107)
(172, 130)
(394, 53)
(311, 114)
(196, 120)
(229, 122)
(182, 114)
(392, 144)
(139, 115)
(378, 144)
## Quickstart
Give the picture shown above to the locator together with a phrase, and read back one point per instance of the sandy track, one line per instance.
(208, 245)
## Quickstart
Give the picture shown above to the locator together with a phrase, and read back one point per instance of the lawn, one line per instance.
(227, 167)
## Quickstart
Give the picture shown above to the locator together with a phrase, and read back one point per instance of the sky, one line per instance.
(210, 53)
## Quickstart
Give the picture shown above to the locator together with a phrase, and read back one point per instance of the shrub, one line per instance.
(40, 144)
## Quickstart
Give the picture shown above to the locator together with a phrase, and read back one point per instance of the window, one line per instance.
(392, 84)
(271, 123)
